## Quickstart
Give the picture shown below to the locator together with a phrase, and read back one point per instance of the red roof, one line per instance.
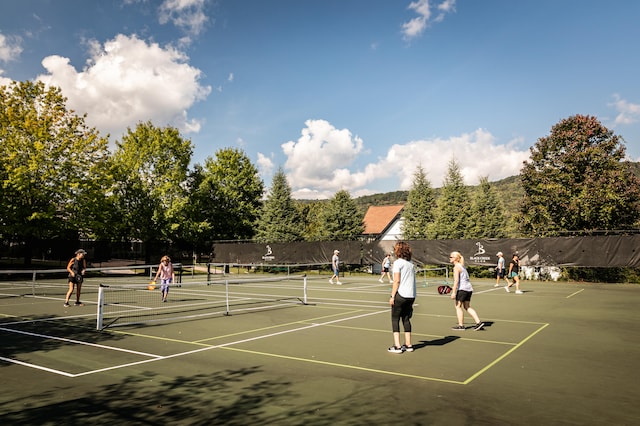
(379, 218)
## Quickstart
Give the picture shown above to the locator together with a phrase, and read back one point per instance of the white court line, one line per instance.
(79, 342)
(159, 358)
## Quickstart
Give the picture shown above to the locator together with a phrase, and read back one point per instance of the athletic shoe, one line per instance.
(458, 327)
(407, 348)
(496, 285)
(478, 326)
(519, 292)
(330, 282)
(380, 280)
(506, 288)
(338, 282)
(79, 304)
(66, 305)
(395, 350)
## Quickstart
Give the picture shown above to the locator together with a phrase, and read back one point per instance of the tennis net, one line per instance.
(136, 304)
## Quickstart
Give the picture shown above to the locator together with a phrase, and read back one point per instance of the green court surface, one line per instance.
(559, 354)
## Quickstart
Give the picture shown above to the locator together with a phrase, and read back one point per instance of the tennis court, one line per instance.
(256, 353)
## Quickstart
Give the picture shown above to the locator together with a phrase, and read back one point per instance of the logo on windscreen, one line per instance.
(269, 255)
(479, 256)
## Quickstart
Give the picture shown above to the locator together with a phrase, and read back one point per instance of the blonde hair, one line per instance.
(457, 257)
(167, 258)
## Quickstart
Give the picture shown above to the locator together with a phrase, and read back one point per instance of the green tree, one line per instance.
(280, 220)
(452, 214)
(419, 210)
(576, 181)
(150, 167)
(311, 214)
(52, 167)
(340, 219)
(228, 195)
(487, 213)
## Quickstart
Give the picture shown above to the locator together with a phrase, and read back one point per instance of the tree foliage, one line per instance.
(452, 214)
(52, 166)
(419, 210)
(487, 213)
(280, 219)
(150, 167)
(340, 219)
(227, 195)
(576, 181)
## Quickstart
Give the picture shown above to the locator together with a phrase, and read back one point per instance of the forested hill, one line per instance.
(508, 190)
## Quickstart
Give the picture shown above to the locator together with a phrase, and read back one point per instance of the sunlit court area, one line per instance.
(290, 348)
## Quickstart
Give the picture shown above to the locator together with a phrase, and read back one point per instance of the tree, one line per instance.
(419, 211)
(452, 215)
(341, 220)
(228, 195)
(487, 213)
(150, 167)
(52, 167)
(576, 181)
(280, 220)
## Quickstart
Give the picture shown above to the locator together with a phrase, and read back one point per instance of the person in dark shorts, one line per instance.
(462, 292)
(76, 268)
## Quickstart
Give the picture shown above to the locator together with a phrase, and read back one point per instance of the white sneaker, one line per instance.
(506, 288)
(496, 285)
(380, 280)
(519, 292)
(330, 281)
(338, 282)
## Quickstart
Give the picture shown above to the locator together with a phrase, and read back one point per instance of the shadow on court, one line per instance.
(561, 354)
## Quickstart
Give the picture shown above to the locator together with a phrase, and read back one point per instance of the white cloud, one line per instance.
(3, 80)
(320, 157)
(318, 163)
(628, 113)
(416, 26)
(265, 165)
(476, 153)
(187, 15)
(127, 81)
(10, 48)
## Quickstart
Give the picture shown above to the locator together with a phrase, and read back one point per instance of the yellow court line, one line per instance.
(201, 342)
(494, 342)
(334, 364)
(573, 294)
(503, 356)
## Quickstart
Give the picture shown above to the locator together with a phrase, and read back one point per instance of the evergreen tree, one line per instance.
(487, 213)
(280, 220)
(452, 217)
(418, 212)
(340, 219)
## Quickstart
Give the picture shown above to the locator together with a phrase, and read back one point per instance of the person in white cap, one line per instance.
(501, 271)
(335, 265)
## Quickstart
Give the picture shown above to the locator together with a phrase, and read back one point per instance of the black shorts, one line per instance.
(463, 296)
(77, 279)
(500, 273)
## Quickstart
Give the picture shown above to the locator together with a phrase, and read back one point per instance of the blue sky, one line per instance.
(342, 94)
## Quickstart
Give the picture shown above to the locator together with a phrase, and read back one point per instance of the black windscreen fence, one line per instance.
(597, 251)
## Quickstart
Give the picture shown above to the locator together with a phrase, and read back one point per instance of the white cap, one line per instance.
(499, 253)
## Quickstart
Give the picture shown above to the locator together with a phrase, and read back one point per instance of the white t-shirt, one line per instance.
(407, 287)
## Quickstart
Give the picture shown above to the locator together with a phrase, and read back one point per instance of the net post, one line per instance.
(100, 306)
(33, 284)
(305, 289)
(226, 286)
